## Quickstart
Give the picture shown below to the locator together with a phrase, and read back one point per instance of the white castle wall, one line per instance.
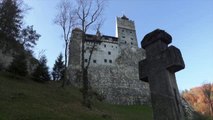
(104, 53)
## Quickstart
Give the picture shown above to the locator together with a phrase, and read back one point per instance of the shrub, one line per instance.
(199, 116)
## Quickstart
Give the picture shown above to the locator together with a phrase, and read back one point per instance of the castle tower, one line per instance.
(75, 49)
(126, 33)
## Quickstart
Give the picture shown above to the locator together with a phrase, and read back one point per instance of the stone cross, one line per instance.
(159, 69)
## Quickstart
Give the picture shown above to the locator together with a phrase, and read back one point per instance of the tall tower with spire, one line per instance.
(126, 33)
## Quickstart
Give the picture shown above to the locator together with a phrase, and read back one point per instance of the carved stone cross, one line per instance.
(159, 69)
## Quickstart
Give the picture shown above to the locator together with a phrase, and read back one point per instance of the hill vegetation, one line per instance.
(199, 100)
(24, 99)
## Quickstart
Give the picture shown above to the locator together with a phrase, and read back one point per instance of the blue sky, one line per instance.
(189, 22)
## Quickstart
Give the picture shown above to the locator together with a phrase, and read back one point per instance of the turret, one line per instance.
(75, 48)
(126, 33)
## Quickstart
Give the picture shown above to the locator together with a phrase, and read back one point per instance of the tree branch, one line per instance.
(90, 56)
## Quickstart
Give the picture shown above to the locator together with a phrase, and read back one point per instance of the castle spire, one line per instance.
(98, 33)
(124, 17)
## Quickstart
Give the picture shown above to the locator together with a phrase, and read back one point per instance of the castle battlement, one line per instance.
(124, 22)
(102, 38)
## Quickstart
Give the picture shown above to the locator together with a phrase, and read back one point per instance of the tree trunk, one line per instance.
(65, 71)
(86, 100)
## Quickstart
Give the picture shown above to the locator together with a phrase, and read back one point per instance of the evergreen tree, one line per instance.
(58, 68)
(41, 72)
(10, 19)
(29, 37)
(19, 65)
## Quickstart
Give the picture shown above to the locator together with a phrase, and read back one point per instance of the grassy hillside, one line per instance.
(23, 99)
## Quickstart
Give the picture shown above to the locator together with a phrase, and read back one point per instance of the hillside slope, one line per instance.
(23, 99)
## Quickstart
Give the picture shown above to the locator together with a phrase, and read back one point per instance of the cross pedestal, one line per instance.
(159, 69)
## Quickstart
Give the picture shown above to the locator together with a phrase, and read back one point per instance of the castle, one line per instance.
(113, 66)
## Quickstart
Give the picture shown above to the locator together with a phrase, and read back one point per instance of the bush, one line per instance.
(199, 116)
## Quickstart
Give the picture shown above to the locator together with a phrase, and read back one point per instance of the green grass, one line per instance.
(24, 99)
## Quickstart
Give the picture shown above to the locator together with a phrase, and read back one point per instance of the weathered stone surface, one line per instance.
(188, 110)
(156, 35)
(158, 69)
(119, 84)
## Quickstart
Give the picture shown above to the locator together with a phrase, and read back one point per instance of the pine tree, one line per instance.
(41, 72)
(19, 65)
(29, 37)
(10, 19)
(58, 68)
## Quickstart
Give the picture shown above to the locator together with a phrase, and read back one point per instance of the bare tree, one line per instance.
(207, 91)
(66, 19)
(89, 12)
(94, 45)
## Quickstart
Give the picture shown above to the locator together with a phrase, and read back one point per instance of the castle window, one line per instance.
(94, 61)
(85, 60)
(104, 45)
(131, 38)
(123, 36)
(125, 42)
(122, 30)
(105, 60)
(110, 61)
(109, 53)
(112, 46)
(131, 43)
